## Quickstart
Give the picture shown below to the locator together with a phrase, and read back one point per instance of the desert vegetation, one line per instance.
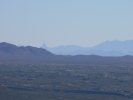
(41, 81)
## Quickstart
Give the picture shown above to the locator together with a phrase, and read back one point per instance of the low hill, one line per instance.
(10, 49)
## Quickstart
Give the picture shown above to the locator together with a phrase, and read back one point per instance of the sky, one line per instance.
(65, 22)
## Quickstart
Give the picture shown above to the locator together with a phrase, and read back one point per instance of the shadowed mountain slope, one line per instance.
(10, 49)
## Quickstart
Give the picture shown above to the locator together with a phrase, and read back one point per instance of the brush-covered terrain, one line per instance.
(41, 81)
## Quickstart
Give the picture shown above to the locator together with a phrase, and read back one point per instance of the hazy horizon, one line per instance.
(73, 22)
(86, 46)
(65, 45)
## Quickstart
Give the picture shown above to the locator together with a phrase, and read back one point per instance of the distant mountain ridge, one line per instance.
(124, 46)
(107, 48)
(63, 50)
(10, 49)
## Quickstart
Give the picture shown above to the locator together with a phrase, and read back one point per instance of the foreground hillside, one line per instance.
(40, 81)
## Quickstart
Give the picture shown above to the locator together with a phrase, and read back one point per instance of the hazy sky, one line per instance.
(62, 22)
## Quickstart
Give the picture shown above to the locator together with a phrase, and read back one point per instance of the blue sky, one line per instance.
(65, 22)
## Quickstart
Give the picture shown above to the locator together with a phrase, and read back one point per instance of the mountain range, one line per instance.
(13, 53)
(107, 48)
